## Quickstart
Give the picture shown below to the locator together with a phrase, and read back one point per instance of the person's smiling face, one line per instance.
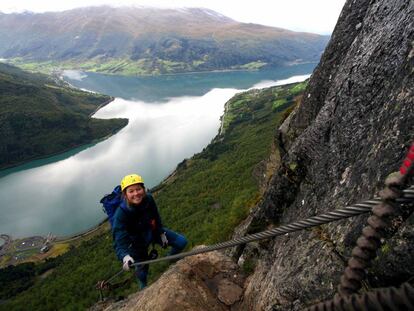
(135, 194)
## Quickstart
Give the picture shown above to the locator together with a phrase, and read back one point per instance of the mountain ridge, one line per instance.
(147, 40)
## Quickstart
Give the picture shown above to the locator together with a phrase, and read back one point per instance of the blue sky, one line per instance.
(317, 16)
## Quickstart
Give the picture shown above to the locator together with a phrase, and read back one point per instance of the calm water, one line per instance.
(170, 119)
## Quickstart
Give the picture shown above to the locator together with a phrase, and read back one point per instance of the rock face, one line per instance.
(206, 282)
(349, 132)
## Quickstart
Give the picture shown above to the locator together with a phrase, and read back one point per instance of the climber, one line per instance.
(137, 224)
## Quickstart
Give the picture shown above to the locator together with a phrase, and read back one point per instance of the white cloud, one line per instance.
(300, 15)
(74, 75)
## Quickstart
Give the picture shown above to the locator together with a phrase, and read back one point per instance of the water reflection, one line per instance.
(161, 88)
(62, 196)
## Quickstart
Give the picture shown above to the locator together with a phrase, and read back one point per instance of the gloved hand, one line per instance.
(164, 240)
(127, 261)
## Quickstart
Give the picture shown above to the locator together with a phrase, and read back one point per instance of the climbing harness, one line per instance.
(383, 207)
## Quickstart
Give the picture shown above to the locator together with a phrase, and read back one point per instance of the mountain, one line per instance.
(40, 117)
(139, 40)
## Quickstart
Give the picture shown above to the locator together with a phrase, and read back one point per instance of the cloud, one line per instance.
(74, 75)
(317, 16)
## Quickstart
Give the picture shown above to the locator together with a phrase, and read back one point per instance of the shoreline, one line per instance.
(59, 71)
(192, 72)
(110, 100)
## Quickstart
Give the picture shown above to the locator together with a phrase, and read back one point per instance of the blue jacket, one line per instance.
(134, 228)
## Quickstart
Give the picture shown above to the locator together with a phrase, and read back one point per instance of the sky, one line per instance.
(317, 16)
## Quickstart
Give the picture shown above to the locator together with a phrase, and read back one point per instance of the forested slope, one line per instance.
(40, 117)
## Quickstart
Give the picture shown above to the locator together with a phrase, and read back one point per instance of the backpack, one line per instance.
(110, 203)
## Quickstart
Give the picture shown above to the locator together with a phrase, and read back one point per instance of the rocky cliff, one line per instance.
(349, 132)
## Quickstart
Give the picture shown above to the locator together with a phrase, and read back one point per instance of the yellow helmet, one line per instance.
(129, 180)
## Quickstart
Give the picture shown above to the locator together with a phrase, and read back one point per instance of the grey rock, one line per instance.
(229, 292)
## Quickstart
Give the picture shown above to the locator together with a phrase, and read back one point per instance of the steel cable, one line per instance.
(349, 211)
(386, 209)
(382, 216)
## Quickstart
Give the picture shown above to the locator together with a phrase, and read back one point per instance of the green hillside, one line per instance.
(205, 198)
(41, 117)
